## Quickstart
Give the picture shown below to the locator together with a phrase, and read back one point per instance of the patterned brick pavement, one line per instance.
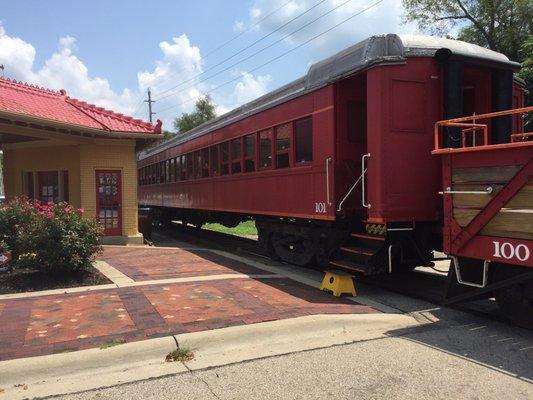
(143, 264)
(67, 322)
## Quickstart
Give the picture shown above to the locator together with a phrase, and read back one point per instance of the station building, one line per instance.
(57, 148)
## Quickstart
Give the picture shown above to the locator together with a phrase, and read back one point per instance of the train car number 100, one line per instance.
(507, 250)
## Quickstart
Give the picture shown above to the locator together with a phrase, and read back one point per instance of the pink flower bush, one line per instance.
(57, 236)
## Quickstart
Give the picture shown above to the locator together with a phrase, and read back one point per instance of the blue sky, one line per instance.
(109, 52)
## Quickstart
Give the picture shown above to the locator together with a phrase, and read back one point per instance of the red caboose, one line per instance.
(336, 167)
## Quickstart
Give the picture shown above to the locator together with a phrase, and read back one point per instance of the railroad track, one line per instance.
(418, 284)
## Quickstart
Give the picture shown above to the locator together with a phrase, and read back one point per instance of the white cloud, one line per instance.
(251, 87)
(385, 17)
(180, 61)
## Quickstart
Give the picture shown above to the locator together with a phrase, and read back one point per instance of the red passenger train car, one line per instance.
(336, 167)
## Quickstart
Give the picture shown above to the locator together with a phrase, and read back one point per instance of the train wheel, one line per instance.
(516, 301)
(294, 249)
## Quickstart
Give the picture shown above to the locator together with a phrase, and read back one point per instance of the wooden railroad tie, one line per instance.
(338, 282)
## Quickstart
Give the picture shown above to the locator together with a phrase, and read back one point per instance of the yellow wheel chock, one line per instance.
(338, 282)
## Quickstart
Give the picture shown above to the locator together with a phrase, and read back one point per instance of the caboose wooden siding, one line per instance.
(474, 170)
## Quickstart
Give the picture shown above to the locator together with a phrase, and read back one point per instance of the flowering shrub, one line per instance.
(51, 237)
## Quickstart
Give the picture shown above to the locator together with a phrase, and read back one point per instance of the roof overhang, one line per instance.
(44, 128)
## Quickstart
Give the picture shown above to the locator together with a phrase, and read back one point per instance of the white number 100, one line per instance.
(507, 250)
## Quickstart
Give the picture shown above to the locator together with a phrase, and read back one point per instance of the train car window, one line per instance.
(177, 169)
(214, 161)
(197, 164)
(172, 170)
(205, 162)
(224, 158)
(303, 136)
(167, 171)
(153, 178)
(189, 158)
(158, 173)
(249, 153)
(183, 170)
(283, 145)
(265, 149)
(236, 155)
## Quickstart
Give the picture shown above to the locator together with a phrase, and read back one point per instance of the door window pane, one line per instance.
(304, 140)
(265, 149)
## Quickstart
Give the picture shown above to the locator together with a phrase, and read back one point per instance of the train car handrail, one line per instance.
(463, 122)
(350, 191)
(363, 173)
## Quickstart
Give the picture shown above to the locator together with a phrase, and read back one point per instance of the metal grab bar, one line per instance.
(363, 172)
(328, 160)
(485, 278)
(488, 190)
(350, 191)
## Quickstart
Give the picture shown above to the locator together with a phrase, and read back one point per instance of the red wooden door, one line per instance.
(109, 201)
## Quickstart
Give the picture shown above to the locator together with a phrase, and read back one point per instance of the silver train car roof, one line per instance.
(376, 50)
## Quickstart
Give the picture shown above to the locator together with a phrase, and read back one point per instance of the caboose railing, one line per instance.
(470, 126)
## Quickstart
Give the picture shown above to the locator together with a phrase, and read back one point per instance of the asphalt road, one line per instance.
(458, 357)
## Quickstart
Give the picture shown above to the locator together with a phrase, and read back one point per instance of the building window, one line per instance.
(303, 135)
(265, 148)
(249, 153)
(205, 162)
(224, 158)
(48, 186)
(236, 155)
(283, 145)
(214, 161)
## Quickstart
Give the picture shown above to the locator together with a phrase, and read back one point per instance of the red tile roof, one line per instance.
(38, 102)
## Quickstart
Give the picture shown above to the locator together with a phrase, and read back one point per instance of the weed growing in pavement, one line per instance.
(181, 354)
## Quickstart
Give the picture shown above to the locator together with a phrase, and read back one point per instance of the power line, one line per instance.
(214, 50)
(244, 48)
(141, 100)
(281, 55)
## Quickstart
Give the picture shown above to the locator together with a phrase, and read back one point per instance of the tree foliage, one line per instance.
(500, 25)
(203, 112)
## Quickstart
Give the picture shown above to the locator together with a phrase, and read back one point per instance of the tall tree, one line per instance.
(204, 111)
(500, 25)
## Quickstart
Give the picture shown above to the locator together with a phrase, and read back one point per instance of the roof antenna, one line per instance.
(2, 68)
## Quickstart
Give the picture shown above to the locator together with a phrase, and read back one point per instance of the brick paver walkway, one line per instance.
(144, 264)
(67, 322)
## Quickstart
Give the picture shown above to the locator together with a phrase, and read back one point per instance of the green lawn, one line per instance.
(244, 228)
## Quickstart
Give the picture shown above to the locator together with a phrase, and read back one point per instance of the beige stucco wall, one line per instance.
(81, 161)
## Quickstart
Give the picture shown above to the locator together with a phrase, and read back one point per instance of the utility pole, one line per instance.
(2, 68)
(150, 101)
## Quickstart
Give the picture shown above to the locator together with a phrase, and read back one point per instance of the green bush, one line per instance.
(54, 238)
